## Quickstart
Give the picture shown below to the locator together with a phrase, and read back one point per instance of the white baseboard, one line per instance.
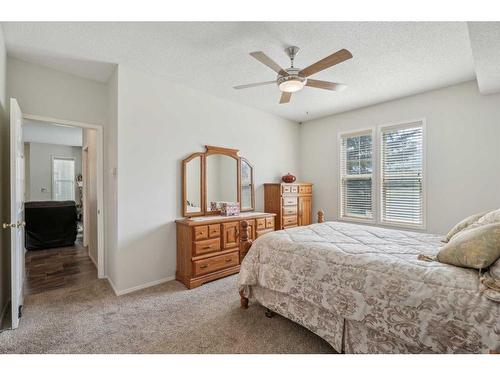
(139, 287)
(92, 259)
(112, 285)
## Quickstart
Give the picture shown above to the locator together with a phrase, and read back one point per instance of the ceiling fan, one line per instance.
(294, 79)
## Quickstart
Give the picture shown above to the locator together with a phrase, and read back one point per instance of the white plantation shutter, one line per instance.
(401, 182)
(356, 169)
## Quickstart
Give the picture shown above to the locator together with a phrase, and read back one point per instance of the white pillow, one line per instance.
(490, 218)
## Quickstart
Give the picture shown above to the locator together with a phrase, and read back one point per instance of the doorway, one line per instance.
(59, 253)
(91, 188)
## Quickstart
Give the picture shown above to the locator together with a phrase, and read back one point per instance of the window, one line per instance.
(401, 185)
(356, 177)
(63, 179)
(396, 173)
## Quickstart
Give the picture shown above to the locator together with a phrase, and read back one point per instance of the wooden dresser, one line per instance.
(209, 247)
(292, 203)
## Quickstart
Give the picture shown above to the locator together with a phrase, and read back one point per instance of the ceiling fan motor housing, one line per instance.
(291, 82)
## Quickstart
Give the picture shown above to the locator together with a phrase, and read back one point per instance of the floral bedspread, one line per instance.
(371, 276)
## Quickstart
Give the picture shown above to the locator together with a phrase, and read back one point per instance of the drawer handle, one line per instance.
(204, 266)
(207, 247)
(228, 260)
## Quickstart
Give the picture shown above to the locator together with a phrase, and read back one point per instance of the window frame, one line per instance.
(358, 132)
(55, 157)
(406, 124)
(376, 132)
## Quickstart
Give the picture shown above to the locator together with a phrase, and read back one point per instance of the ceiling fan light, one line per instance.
(292, 85)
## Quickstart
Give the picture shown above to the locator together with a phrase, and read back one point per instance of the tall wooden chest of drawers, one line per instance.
(209, 247)
(292, 203)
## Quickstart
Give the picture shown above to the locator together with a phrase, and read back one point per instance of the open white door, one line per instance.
(16, 209)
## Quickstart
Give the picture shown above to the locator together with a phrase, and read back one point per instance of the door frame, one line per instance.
(101, 273)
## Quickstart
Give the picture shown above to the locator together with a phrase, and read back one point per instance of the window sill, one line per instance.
(395, 225)
(356, 220)
(389, 225)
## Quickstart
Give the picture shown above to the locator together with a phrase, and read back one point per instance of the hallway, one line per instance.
(58, 268)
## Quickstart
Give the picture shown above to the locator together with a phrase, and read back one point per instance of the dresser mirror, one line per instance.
(216, 175)
(247, 190)
(221, 179)
(193, 177)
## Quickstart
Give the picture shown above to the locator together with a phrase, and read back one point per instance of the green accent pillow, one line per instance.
(464, 224)
(474, 248)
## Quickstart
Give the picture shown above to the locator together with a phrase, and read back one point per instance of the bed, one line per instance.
(364, 290)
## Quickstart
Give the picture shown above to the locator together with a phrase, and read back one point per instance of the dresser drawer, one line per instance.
(305, 189)
(290, 189)
(289, 220)
(269, 222)
(290, 210)
(200, 232)
(260, 224)
(219, 262)
(206, 246)
(214, 231)
(289, 201)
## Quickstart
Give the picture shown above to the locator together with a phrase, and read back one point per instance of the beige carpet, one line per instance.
(167, 318)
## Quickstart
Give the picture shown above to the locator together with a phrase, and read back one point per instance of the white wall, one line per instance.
(159, 124)
(89, 171)
(34, 131)
(463, 153)
(4, 187)
(47, 92)
(39, 166)
(111, 183)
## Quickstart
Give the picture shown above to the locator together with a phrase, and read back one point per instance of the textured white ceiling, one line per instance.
(485, 43)
(391, 59)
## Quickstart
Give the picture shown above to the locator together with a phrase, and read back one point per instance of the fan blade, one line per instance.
(266, 60)
(285, 97)
(327, 62)
(253, 85)
(325, 85)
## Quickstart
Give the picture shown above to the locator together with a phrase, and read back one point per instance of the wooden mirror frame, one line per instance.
(213, 150)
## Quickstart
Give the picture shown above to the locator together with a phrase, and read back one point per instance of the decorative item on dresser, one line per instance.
(292, 203)
(209, 245)
(288, 178)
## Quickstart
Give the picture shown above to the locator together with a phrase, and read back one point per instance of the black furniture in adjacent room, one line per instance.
(50, 224)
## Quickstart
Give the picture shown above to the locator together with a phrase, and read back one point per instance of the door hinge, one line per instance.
(20, 313)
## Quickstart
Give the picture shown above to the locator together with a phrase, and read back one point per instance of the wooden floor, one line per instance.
(57, 268)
